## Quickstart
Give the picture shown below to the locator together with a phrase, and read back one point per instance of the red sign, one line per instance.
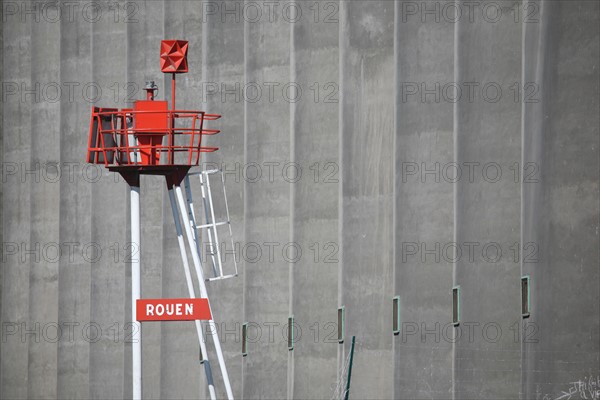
(172, 309)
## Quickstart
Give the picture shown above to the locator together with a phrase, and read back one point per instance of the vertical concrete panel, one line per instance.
(536, 51)
(560, 202)
(74, 283)
(145, 31)
(487, 134)
(367, 134)
(315, 180)
(424, 206)
(45, 207)
(267, 204)
(111, 271)
(16, 208)
(223, 62)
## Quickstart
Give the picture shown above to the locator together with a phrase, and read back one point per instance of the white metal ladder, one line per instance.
(186, 209)
(210, 222)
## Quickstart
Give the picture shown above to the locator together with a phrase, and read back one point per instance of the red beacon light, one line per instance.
(151, 138)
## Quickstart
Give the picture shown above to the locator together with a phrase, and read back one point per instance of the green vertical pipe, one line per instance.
(350, 369)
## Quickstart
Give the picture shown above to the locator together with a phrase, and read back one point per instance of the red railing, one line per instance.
(130, 137)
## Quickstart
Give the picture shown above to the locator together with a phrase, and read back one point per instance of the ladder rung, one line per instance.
(211, 225)
(206, 172)
(218, 278)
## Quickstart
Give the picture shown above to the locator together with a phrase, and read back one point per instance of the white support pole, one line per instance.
(204, 293)
(136, 291)
(190, 285)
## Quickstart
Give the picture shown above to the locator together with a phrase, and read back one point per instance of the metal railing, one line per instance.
(116, 140)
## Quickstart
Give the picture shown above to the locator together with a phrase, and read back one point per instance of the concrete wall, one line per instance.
(379, 133)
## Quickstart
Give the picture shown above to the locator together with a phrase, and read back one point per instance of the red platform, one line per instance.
(149, 138)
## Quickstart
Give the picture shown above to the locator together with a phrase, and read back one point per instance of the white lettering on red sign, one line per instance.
(169, 309)
(172, 309)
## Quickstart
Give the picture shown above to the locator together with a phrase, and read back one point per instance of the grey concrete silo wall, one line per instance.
(378, 134)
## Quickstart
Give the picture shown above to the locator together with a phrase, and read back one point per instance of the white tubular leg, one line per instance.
(136, 291)
(190, 285)
(204, 293)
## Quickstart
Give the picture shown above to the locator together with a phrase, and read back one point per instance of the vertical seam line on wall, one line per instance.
(455, 189)
(127, 299)
(204, 78)
(165, 219)
(2, 273)
(292, 125)
(162, 232)
(91, 214)
(60, 126)
(521, 186)
(59, 152)
(204, 53)
(395, 141)
(245, 187)
(342, 54)
(29, 190)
